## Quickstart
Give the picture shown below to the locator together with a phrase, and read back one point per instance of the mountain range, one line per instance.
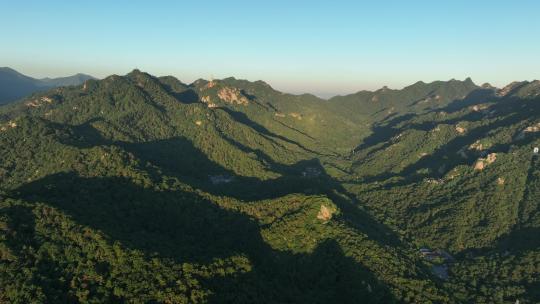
(144, 189)
(14, 85)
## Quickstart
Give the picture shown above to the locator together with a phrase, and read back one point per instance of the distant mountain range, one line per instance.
(14, 85)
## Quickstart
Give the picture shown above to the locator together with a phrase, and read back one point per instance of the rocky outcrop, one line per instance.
(530, 129)
(460, 130)
(325, 213)
(34, 103)
(477, 145)
(479, 108)
(491, 158)
(533, 128)
(205, 99)
(296, 115)
(208, 101)
(481, 163)
(233, 96)
(10, 124)
(210, 84)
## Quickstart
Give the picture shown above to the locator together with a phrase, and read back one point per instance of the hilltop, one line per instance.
(14, 85)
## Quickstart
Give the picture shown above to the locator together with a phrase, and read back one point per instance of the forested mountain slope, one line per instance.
(143, 189)
(463, 178)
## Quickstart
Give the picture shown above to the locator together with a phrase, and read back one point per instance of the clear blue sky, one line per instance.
(323, 47)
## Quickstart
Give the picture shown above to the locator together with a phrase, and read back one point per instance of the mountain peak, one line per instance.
(9, 70)
(14, 85)
(487, 85)
(136, 72)
(383, 89)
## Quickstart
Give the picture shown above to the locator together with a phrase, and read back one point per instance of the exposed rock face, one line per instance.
(530, 129)
(500, 181)
(491, 158)
(453, 174)
(478, 108)
(477, 145)
(232, 95)
(39, 102)
(533, 128)
(431, 98)
(205, 99)
(46, 99)
(460, 130)
(296, 115)
(198, 122)
(10, 124)
(32, 104)
(210, 84)
(481, 163)
(325, 213)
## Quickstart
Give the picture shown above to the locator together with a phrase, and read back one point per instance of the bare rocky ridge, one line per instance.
(232, 95)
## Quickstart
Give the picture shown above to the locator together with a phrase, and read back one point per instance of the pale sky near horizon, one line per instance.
(321, 47)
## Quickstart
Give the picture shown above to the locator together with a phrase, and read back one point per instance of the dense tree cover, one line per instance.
(141, 189)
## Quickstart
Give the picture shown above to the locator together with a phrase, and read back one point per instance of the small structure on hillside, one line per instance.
(440, 260)
(441, 271)
(535, 150)
(433, 254)
(311, 172)
(429, 254)
(221, 179)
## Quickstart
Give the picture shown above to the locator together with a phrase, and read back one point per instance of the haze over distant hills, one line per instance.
(14, 85)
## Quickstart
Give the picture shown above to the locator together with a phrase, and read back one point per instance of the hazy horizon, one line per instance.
(324, 95)
(300, 47)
